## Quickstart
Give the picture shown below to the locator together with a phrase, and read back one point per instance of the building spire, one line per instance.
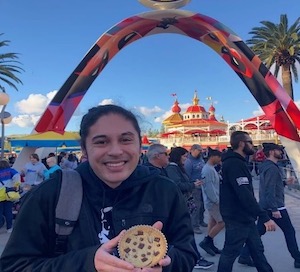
(195, 99)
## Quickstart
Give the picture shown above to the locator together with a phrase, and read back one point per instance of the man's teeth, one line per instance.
(110, 164)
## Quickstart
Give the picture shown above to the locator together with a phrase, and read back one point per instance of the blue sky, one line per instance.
(53, 36)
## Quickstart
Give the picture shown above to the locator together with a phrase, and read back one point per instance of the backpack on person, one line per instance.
(67, 208)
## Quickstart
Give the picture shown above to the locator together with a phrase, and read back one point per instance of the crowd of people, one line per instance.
(169, 189)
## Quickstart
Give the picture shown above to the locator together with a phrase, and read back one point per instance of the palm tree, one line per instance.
(279, 45)
(9, 67)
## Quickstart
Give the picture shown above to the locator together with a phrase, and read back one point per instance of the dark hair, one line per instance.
(175, 156)
(214, 152)
(35, 156)
(95, 113)
(236, 137)
(4, 164)
(51, 154)
(71, 157)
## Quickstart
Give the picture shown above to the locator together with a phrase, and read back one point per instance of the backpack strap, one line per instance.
(67, 208)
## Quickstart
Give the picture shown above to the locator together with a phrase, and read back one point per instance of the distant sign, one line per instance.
(164, 4)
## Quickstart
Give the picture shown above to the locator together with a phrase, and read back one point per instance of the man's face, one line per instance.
(113, 149)
(216, 160)
(33, 160)
(163, 158)
(196, 153)
(248, 146)
(278, 154)
(50, 162)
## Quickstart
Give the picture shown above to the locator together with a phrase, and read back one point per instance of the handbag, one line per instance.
(190, 201)
(11, 193)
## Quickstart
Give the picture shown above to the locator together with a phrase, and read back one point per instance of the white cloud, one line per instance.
(25, 120)
(184, 107)
(106, 101)
(34, 104)
(149, 111)
(31, 109)
(159, 119)
(258, 111)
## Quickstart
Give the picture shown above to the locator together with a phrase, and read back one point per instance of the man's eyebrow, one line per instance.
(128, 133)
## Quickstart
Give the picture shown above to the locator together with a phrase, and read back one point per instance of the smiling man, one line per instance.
(118, 193)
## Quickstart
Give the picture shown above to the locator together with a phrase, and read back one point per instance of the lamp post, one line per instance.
(4, 116)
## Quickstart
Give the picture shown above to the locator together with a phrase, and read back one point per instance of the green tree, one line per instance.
(9, 67)
(279, 45)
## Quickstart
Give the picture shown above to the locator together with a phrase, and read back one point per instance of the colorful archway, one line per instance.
(277, 105)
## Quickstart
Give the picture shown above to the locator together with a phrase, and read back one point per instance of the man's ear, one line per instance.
(83, 151)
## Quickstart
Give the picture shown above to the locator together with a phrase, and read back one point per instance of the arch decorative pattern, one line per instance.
(275, 102)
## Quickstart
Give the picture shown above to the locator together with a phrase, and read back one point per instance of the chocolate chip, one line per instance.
(141, 246)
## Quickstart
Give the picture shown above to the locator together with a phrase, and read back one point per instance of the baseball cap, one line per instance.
(271, 146)
(196, 146)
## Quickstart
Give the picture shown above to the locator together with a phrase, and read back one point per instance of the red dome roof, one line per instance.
(195, 109)
(175, 107)
(211, 108)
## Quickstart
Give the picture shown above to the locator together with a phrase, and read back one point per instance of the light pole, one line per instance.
(4, 116)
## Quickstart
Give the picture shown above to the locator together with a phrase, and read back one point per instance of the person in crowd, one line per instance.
(9, 181)
(117, 191)
(61, 156)
(12, 158)
(271, 197)
(33, 171)
(176, 172)
(158, 157)
(258, 158)
(210, 187)
(52, 167)
(239, 208)
(69, 162)
(44, 160)
(193, 167)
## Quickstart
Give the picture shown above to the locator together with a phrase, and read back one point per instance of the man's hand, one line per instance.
(276, 214)
(270, 225)
(104, 261)
(198, 183)
(290, 180)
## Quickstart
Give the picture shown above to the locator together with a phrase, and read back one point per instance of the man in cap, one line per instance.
(193, 168)
(271, 197)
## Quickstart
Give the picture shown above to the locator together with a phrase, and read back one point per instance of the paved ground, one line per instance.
(274, 242)
(275, 247)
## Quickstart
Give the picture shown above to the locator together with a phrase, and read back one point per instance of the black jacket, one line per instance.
(271, 186)
(162, 171)
(237, 200)
(144, 198)
(181, 179)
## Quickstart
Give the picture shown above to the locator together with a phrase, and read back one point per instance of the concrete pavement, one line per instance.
(275, 246)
